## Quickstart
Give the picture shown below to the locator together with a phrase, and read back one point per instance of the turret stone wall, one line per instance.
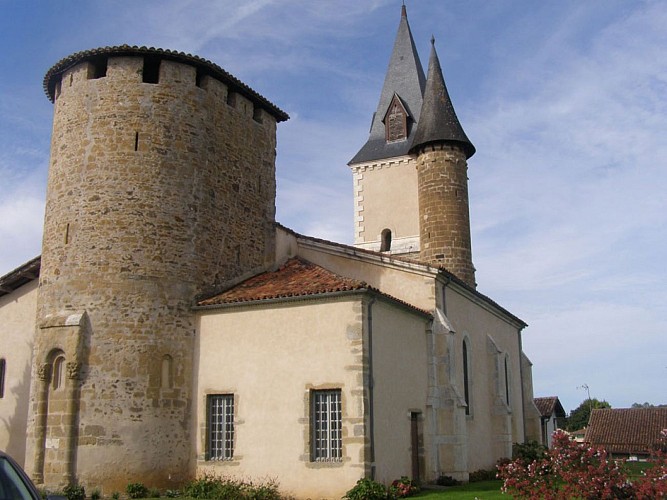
(444, 219)
(156, 192)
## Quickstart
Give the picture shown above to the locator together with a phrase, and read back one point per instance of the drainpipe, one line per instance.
(371, 383)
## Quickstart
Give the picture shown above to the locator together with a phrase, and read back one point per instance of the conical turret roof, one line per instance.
(404, 78)
(438, 121)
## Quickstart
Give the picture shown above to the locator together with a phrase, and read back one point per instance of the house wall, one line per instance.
(400, 387)
(492, 425)
(17, 330)
(270, 358)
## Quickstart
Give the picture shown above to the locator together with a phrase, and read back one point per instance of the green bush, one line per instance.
(95, 495)
(172, 493)
(115, 495)
(153, 493)
(447, 481)
(482, 475)
(213, 487)
(367, 489)
(136, 490)
(528, 451)
(74, 492)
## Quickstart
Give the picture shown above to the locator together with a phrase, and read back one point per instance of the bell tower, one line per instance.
(386, 217)
(410, 178)
(442, 150)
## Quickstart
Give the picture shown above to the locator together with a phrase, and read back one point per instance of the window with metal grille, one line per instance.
(220, 426)
(326, 426)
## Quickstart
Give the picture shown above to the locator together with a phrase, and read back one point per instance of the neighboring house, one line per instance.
(176, 328)
(626, 432)
(552, 415)
(579, 435)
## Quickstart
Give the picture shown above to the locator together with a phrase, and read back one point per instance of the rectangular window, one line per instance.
(326, 426)
(220, 426)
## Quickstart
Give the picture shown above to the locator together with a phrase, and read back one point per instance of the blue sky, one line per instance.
(565, 101)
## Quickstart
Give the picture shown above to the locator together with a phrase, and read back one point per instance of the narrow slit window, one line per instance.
(3, 368)
(58, 375)
(136, 141)
(167, 375)
(466, 377)
(507, 384)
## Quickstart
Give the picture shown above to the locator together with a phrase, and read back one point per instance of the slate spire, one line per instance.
(404, 79)
(438, 122)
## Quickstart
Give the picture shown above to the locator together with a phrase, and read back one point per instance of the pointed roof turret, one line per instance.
(405, 79)
(438, 121)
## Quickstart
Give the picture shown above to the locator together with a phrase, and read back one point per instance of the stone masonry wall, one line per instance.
(156, 192)
(444, 219)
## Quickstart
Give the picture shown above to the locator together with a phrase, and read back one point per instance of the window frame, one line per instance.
(220, 435)
(326, 434)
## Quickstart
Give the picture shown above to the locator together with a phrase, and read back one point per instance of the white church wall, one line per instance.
(271, 358)
(400, 388)
(413, 285)
(17, 330)
(492, 424)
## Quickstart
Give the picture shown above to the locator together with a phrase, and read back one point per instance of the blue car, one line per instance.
(15, 483)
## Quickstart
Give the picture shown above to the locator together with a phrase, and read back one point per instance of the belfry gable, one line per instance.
(404, 78)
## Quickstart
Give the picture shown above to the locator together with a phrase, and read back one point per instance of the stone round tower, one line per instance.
(161, 186)
(442, 150)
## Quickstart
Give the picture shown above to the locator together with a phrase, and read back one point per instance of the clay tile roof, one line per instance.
(20, 276)
(296, 277)
(206, 66)
(626, 430)
(548, 405)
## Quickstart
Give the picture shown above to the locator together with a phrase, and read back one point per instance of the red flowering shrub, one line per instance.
(574, 470)
(402, 488)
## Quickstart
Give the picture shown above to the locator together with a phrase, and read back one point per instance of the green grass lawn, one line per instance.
(484, 490)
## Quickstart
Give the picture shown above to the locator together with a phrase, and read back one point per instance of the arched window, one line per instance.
(507, 383)
(167, 373)
(466, 376)
(58, 378)
(3, 366)
(385, 243)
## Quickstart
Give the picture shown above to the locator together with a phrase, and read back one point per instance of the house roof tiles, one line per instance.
(296, 278)
(626, 430)
(548, 405)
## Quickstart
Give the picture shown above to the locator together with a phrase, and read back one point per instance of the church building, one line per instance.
(171, 327)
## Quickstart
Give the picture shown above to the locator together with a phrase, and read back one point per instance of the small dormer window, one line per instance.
(396, 121)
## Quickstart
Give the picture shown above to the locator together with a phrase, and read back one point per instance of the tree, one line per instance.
(578, 418)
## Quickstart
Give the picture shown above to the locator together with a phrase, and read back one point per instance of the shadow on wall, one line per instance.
(17, 422)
